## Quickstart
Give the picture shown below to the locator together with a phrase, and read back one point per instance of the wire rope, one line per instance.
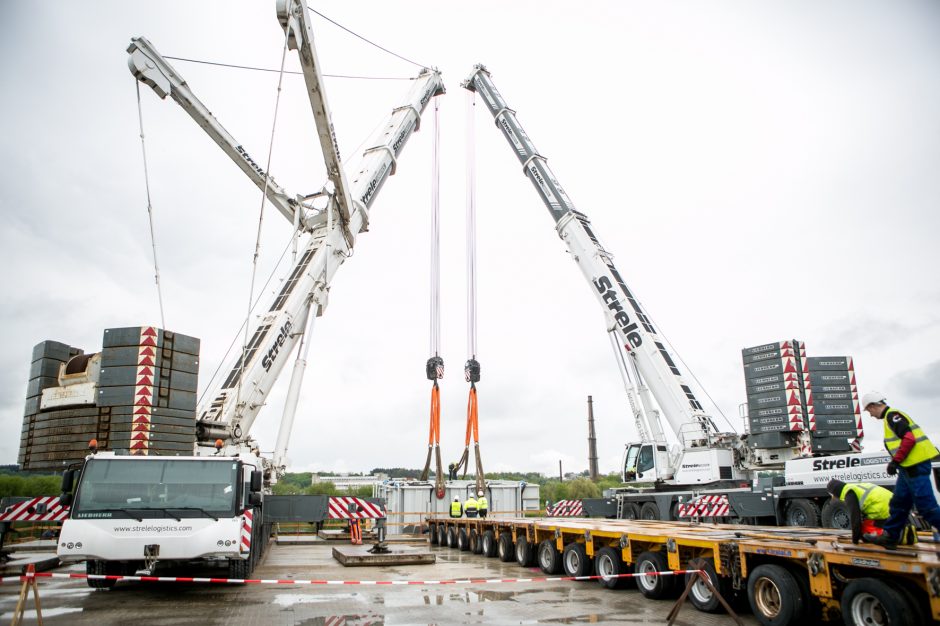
(267, 69)
(371, 43)
(153, 238)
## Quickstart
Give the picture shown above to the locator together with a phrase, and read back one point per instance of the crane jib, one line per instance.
(605, 288)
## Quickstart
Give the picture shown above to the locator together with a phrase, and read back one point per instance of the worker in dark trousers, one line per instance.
(456, 509)
(867, 505)
(482, 505)
(911, 453)
(470, 506)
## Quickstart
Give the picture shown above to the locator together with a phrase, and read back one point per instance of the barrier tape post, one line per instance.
(674, 613)
(29, 580)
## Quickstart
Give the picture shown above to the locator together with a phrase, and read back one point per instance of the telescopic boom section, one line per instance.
(230, 411)
(150, 68)
(623, 312)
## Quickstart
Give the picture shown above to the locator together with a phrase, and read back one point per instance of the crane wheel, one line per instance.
(630, 511)
(651, 586)
(549, 558)
(575, 560)
(802, 513)
(609, 565)
(100, 568)
(649, 511)
(835, 514)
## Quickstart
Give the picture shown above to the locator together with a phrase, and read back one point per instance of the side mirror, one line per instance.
(65, 499)
(254, 498)
(68, 479)
(256, 478)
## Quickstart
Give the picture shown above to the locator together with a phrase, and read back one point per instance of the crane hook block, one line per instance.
(435, 368)
(471, 371)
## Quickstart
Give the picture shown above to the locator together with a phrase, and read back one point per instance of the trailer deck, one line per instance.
(789, 575)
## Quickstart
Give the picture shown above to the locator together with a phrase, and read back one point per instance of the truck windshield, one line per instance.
(121, 485)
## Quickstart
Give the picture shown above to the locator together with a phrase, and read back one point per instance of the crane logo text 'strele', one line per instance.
(605, 287)
(268, 359)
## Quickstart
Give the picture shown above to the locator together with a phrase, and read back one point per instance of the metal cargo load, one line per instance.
(409, 502)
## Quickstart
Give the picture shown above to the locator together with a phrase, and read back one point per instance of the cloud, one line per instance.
(923, 382)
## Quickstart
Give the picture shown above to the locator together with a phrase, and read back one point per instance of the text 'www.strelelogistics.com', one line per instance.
(151, 529)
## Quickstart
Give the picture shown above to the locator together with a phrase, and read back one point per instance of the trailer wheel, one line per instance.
(442, 535)
(775, 596)
(100, 568)
(649, 510)
(504, 547)
(835, 514)
(609, 565)
(575, 560)
(920, 610)
(872, 602)
(630, 511)
(549, 559)
(432, 535)
(476, 546)
(653, 587)
(489, 543)
(463, 541)
(525, 552)
(451, 537)
(803, 513)
(701, 596)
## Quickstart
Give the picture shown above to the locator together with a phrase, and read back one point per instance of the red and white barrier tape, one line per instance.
(279, 581)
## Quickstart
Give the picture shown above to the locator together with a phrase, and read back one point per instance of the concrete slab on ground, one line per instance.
(359, 556)
(19, 561)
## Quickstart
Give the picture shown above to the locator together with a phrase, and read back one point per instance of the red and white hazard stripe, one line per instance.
(143, 391)
(566, 508)
(340, 508)
(291, 581)
(247, 521)
(705, 506)
(27, 511)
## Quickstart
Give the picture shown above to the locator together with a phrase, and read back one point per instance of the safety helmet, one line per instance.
(480, 493)
(456, 499)
(873, 397)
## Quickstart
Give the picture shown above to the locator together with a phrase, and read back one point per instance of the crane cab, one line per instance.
(646, 463)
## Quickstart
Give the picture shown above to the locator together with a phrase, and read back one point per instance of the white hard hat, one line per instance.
(456, 499)
(480, 493)
(873, 397)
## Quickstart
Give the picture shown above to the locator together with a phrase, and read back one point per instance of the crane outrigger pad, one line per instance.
(359, 556)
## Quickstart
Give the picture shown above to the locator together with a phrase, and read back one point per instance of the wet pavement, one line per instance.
(72, 602)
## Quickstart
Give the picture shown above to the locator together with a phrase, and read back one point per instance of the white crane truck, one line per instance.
(130, 512)
(717, 471)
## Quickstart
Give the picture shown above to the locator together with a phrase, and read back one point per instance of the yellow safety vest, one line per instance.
(922, 451)
(482, 504)
(872, 499)
(455, 509)
(470, 503)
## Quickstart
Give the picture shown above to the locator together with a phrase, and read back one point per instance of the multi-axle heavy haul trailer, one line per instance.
(787, 575)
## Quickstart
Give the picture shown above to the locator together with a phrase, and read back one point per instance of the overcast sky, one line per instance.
(760, 171)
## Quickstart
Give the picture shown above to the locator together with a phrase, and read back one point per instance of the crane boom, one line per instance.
(623, 312)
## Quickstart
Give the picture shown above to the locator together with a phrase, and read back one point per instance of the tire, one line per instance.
(432, 535)
(476, 545)
(700, 595)
(489, 544)
(100, 568)
(463, 540)
(525, 552)
(921, 609)
(835, 514)
(653, 587)
(442, 535)
(630, 510)
(868, 601)
(505, 548)
(549, 559)
(802, 513)
(649, 510)
(575, 560)
(239, 568)
(451, 537)
(775, 596)
(609, 565)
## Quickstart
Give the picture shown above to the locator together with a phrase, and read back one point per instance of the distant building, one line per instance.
(344, 482)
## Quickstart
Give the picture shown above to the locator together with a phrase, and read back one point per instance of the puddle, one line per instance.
(31, 614)
(292, 599)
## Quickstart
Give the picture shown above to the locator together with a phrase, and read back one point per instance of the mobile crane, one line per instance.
(220, 520)
(706, 465)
